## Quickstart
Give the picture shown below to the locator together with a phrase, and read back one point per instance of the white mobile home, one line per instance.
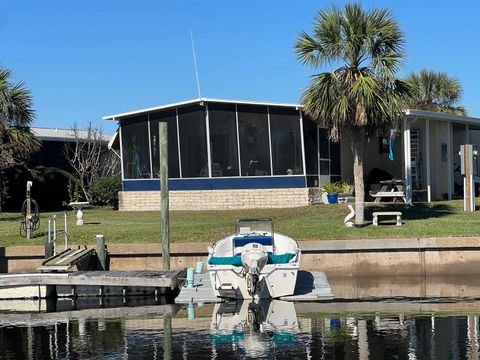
(226, 154)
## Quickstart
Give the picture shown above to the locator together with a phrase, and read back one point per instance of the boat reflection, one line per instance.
(255, 328)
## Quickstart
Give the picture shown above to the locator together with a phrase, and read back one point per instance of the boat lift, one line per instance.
(67, 258)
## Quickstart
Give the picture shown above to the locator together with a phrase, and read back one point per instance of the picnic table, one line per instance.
(391, 189)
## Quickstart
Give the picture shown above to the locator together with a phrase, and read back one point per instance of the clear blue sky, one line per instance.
(86, 59)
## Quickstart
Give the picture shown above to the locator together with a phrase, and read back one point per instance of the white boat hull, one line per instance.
(254, 263)
(275, 281)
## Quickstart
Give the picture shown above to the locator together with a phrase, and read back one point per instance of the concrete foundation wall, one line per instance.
(215, 199)
(425, 256)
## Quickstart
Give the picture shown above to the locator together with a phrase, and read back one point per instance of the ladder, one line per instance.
(416, 159)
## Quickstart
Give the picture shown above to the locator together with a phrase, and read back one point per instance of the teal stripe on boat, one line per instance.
(280, 259)
(226, 260)
(237, 261)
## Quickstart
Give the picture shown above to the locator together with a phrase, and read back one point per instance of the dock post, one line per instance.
(164, 201)
(102, 251)
(50, 290)
(48, 248)
(167, 337)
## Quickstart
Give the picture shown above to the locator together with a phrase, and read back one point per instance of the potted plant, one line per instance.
(332, 192)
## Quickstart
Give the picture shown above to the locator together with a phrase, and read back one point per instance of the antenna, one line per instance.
(195, 63)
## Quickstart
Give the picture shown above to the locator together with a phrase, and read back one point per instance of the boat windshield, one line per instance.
(245, 227)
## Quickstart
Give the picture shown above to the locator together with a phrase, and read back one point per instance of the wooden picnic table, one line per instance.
(393, 189)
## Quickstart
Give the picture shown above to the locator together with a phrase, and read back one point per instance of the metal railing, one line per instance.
(53, 231)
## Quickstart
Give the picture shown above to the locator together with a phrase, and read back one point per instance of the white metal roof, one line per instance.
(199, 100)
(56, 134)
(409, 112)
(422, 114)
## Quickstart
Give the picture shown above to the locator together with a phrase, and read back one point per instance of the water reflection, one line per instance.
(254, 329)
(415, 329)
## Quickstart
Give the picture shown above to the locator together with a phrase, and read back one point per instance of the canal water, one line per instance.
(374, 328)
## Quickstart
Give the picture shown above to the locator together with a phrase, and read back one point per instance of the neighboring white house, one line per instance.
(432, 141)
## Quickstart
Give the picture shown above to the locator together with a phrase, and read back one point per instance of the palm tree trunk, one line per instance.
(357, 151)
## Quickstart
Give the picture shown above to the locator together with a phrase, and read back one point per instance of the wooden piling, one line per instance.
(50, 290)
(164, 201)
(167, 337)
(102, 252)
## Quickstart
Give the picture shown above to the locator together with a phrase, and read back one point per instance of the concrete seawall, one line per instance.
(421, 256)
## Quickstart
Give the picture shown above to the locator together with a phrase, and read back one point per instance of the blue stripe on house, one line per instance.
(267, 182)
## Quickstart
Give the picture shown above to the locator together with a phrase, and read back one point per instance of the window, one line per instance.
(254, 140)
(136, 155)
(193, 141)
(170, 117)
(286, 141)
(223, 139)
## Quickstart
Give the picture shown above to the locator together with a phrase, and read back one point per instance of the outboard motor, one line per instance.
(254, 258)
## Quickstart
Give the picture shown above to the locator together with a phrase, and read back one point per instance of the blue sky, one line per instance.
(86, 59)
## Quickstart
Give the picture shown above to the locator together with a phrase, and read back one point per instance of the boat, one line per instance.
(255, 262)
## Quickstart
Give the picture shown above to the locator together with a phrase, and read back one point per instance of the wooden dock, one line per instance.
(310, 286)
(168, 279)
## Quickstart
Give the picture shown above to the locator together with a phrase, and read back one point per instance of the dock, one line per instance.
(310, 286)
(121, 280)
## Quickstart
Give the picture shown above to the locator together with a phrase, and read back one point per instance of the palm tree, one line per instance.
(16, 114)
(435, 91)
(361, 96)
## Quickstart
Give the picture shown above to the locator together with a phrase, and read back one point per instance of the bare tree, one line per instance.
(89, 157)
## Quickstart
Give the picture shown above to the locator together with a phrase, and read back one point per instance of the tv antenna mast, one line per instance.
(195, 63)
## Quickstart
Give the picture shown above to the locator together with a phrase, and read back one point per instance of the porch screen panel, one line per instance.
(324, 156)
(193, 141)
(170, 117)
(335, 159)
(254, 140)
(311, 151)
(324, 144)
(135, 147)
(223, 140)
(286, 141)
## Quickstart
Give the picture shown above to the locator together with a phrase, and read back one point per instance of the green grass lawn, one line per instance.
(320, 222)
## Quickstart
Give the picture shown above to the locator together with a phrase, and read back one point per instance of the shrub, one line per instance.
(345, 188)
(50, 187)
(105, 191)
(338, 187)
(330, 188)
(74, 190)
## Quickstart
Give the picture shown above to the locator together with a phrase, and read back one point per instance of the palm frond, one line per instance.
(435, 91)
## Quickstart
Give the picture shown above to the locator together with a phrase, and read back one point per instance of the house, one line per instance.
(49, 168)
(226, 154)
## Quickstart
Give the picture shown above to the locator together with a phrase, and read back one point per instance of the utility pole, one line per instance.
(163, 131)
